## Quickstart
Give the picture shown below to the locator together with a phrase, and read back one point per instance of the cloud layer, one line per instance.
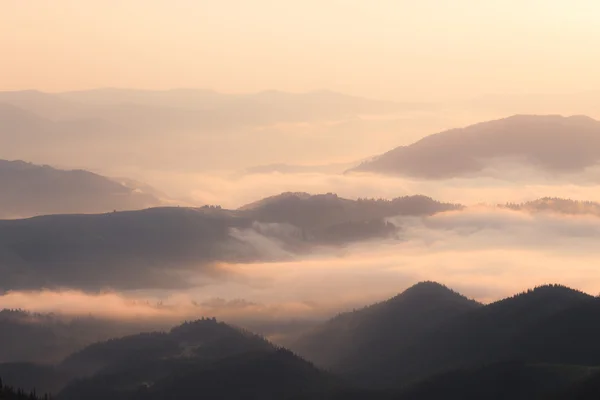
(485, 253)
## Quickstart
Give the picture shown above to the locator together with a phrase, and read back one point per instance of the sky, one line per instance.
(390, 49)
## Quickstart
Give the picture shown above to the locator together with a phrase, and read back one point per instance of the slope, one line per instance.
(550, 143)
(30, 189)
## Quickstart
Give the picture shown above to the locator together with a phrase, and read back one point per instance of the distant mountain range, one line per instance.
(267, 105)
(29, 190)
(427, 343)
(189, 129)
(550, 143)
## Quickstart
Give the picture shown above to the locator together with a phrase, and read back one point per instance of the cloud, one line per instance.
(484, 252)
(232, 190)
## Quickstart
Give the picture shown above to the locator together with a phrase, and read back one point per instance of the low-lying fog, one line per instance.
(504, 182)
(484, 252)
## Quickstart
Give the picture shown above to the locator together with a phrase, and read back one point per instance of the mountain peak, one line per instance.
(554, 291)
(428, 291)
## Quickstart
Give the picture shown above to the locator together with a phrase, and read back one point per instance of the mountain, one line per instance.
(363, 337)
(30, 377)
(157, 247)
(195, 130)
(198, 107)
(281, 168)
(45, 105)
(552, 357)
(502, 381)
(165, 247)
(428, 342)
(466, 336)
(318, 211)
(550, 143)
(49, 338)
(206, 339)
(11, 393)
(30, 189)
(268, 106)
(557, 205)
(202, 358)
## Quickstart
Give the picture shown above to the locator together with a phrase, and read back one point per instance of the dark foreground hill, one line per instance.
(205, 359)
(551, 143)
(49, 338)
(427, 343)
(367, 336)
(398, 343)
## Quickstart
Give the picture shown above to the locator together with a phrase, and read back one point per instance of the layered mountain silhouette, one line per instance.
(304, 209)
(364, 337)
(427, 343)
(189, 129)
(161, 247)
(29, 189)
(193, 108)
(549, 143)
(204, 357)
(429, 331)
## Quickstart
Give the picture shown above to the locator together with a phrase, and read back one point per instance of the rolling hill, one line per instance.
(428, 342)
(30, 190)
(441, 331)
(201, 358)
(550, 143)
(162, 247)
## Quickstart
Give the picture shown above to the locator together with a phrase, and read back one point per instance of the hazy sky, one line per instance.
(398, 49)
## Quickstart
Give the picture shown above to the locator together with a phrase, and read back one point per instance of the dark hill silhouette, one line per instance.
(30, 377)
(49, 338)
(428, 342)
(502, 381)
(205, 339)
(9, 392)
(29, 189)
(363, 337)
(552, 143)
(569, 337)
(201, 358)
(439, 336)
(261, 375)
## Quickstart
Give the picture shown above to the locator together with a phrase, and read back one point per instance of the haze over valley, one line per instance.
(310, 200)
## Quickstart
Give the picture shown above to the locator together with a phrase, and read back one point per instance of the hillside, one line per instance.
(205, 358)
(322, 210)
(550, 143)
(360, 338)
(30, 189)
(131, 249)
(49, 338)
(158, 247)
(426, 343)
(433, 335)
